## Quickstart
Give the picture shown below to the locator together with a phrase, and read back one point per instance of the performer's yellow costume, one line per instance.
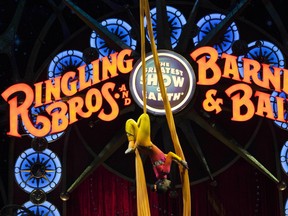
(138, 134)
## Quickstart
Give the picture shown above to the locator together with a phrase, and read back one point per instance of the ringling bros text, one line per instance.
(62, 113)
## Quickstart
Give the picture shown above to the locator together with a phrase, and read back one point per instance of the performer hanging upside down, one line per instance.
(138, 134)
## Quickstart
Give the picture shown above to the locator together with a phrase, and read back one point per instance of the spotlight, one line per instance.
(37, 196)
(281, 186)
(64, 196)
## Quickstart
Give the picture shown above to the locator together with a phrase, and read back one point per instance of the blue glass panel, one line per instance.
(263, 52)
(284, 157)
(118, 27)
(273, 101)
(68, 60)
(208, 23)
(38, 170)
(44, 209)
(176, 22)
(33, 113)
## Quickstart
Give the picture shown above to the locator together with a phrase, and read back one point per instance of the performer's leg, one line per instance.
(172, 156)
(143, 135)
(131, 129)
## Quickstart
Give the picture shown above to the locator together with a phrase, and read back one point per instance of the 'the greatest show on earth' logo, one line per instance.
(179, 81)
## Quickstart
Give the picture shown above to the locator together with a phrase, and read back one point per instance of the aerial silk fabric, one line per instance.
(143, 207)
(186, 193)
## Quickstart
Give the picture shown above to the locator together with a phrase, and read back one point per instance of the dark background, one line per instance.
(31, 32)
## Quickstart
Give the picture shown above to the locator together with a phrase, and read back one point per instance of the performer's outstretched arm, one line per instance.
(172, 156)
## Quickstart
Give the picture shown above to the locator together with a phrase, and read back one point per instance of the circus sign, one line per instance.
(241, 94)
(64, 105)
(70, 97)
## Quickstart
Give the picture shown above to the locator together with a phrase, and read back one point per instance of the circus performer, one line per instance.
(138, 134)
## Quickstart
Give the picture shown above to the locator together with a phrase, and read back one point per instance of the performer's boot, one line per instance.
(131, 147)
(184, 164)
(131, 131)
